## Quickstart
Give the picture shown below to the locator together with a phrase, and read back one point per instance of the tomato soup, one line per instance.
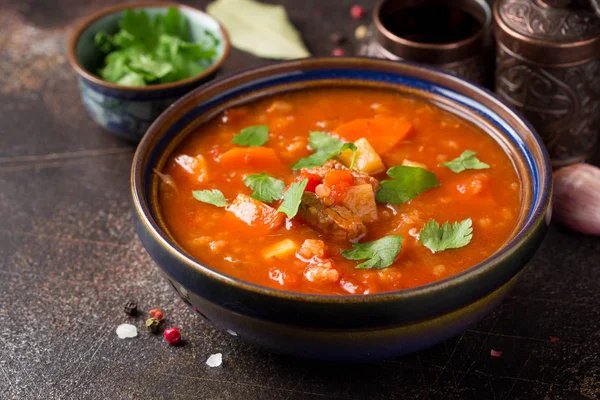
(339, 191)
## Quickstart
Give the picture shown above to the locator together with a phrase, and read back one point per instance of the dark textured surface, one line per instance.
(69, 259)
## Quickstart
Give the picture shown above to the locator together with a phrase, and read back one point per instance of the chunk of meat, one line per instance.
(256, 214)
(321, 271)
(312, 248)
(360, 200)
(337, 221)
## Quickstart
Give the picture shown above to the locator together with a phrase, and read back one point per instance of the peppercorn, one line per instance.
(152, 324)
(337, 38)
(130, 308)
(156, 313)
(357, 12)
(337, 52)
(172, 335)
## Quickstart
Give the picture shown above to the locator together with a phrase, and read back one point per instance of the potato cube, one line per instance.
(281, 250)
(367, 159)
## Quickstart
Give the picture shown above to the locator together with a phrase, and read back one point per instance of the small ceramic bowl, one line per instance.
(124, 110)
(355, 327)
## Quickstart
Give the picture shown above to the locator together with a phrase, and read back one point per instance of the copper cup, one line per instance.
(452, 36)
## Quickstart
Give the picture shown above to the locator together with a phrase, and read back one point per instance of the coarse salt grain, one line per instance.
(215, 360)
(495, 353)
(125, 331)
(360, 32)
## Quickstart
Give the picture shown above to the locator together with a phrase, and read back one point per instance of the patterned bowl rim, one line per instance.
(182, 113)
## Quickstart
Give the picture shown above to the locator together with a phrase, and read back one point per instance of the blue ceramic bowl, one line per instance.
(124, 110)
(356, 327)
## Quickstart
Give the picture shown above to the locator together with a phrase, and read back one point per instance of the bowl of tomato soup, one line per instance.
(341, 209)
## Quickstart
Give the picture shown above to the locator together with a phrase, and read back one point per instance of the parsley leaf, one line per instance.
(214, 197)
(292, 198)
(252, 136)
(265, 187)
(408, 182)
(379, 254)
(326, 147)
(154, 50)
(466, 160)
(449, 236)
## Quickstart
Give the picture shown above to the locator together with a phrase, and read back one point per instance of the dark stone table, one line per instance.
(69, 259)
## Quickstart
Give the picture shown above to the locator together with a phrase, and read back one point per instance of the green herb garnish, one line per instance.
(292, 198)
(466, 160)
(154, 50)
(407, 183)
(448, 236)
(265, 187)
(214, 197)
(326, 147)
(252, 136)
(379, 254)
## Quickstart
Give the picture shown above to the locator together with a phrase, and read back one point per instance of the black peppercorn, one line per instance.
(130, 308)
(337, 38)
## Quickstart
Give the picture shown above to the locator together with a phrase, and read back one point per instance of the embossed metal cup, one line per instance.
(548, 67)
(404, 30)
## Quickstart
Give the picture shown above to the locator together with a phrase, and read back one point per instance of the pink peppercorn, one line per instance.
(156, 313)
(337, 52)
(172, 335)
(357, 12)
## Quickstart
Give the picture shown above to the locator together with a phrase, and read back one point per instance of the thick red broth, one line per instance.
(366, 217)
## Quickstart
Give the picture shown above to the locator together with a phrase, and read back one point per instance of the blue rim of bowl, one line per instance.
(96, 80)
(535, 218)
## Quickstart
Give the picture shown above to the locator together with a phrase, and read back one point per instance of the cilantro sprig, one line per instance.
(252, 136)
(466, 160)
(448, 236)
(214, 197)
(378, 254)
(406, 183)
(292, 198)
(265, 188)
(154, 50)
(326, 147)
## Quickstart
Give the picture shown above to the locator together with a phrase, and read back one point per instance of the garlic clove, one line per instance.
(576, 198)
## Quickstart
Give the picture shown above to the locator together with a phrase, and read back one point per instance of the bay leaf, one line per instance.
(263, 30)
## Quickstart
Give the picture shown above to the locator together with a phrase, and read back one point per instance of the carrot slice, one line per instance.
(258, 158)
(255, 213)
(382, 133)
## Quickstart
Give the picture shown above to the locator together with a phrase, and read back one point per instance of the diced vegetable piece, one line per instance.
(409, 163)
(259, 158)
(313, 180)
(383, 133)
(281, 250)
(339, 181)
(255, 213)
(367, 159)
(196, 166)
(360, 200)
